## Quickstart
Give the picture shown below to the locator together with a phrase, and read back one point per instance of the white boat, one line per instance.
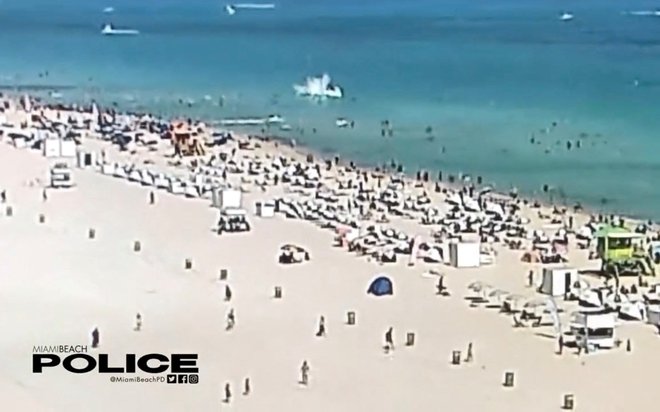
(319, 87)
(342, 123)
(230, 9)
(108, 30)
(566, 16)
(108, 10)
(274, 118)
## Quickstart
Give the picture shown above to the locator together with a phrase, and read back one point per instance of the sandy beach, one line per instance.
(57, 284)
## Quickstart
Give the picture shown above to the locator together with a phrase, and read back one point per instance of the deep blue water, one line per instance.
(485, 75)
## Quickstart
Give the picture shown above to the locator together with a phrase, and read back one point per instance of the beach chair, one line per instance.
(119, 172)
(135, 175)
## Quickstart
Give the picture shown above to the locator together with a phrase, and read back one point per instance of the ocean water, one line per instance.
(486, 76)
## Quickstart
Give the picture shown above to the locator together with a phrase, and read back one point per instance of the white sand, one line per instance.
(56, 285)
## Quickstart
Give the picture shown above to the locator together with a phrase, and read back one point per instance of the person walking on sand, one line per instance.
(321, 330)
(138, 322)
(441, 285)
(246, 387)
(227, 393)
(152, 198)
(227, 293)
(231, 319)
(44, 195)
(304, 373)
(560, 345)
(95, 338)
(470, 356)
(389, 340)
(3, 196)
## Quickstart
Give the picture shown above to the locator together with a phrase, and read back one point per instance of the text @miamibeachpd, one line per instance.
(170, 379)
(177, 368)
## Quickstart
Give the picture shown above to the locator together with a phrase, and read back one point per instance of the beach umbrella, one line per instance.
(478, 286)
(513, 301)
(497, 293)
(535, 303)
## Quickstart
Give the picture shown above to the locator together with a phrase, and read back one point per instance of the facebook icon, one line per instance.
(182, 379)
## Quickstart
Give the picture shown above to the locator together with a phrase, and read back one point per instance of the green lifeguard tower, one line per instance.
(622, 252)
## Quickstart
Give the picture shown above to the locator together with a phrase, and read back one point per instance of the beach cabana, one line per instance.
(464, 254)
(265, 209)
(226, 198)
(86, 159)
(558, 281)
(51, 148)
(381, 286)
(653, 315)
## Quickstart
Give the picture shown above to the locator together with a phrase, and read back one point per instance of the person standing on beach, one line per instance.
(227, 393)
(3, 196)
(389, 340)
(231, 320)
(138, 322)
(152, 198)
(44, 195)
(95, 338)
(321, 330)
(441, 285)
(469, 357)
(560, 343)
(304, 373)
(246, 387)
(580, 346)
(227, 293)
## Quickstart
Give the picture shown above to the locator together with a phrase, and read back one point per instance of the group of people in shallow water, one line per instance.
(570, 144)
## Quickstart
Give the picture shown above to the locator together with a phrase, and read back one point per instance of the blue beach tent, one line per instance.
(380, 286)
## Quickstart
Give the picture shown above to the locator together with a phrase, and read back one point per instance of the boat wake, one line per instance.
(652, 13)
(109, 30)
(257, 6)
(232, 8)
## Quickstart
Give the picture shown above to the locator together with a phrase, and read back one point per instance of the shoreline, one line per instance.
(459, 182)
(530, 195)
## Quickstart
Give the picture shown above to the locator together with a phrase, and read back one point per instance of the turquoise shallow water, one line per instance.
(484, 75)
